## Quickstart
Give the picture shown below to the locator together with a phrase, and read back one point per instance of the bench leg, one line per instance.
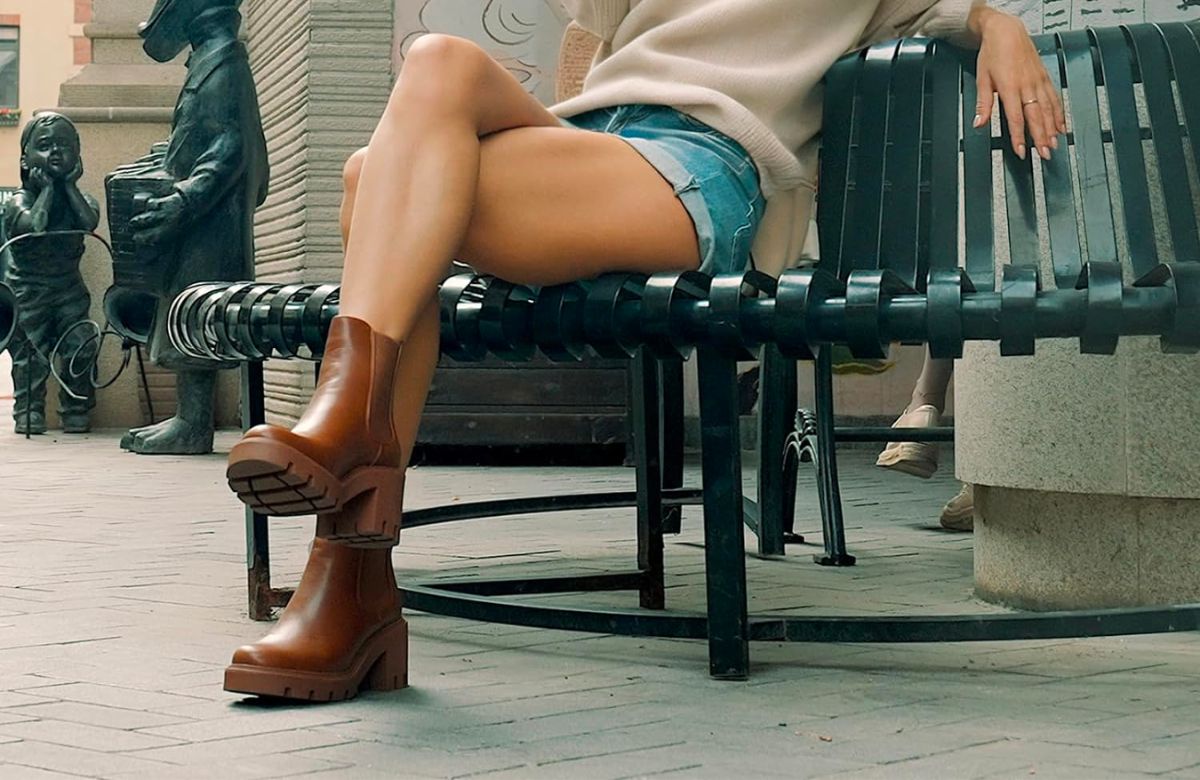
(776, 414)
(724, 542)
(672, 438)
(647, 456)
(830, 493)
(258, 541)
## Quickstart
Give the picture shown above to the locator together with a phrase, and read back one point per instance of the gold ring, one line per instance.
(1029, 102)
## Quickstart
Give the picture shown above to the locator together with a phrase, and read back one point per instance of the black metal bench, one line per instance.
(890, 271)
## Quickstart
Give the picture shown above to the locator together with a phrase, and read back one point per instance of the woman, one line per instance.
(695, 116)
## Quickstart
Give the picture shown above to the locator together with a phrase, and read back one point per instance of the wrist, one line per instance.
(983, 18)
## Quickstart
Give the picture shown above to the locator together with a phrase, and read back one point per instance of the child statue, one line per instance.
(43, 272)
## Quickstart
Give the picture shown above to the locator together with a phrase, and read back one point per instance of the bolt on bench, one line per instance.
(899, 158)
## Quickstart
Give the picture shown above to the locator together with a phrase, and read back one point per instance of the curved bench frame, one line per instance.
(889, 222)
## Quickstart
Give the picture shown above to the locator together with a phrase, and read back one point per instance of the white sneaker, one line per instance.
(959, 512)
(919, 459)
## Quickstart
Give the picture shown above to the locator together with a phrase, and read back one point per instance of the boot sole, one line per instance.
(362, 509)
(381, 665)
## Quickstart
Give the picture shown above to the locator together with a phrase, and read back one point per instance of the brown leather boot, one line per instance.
(342, 632)
(343, 447)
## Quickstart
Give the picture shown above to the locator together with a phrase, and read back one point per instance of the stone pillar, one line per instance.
(323, 69)
(122, 102)
(1088, 474)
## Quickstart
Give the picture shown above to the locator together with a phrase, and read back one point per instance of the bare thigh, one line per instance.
(557, 204)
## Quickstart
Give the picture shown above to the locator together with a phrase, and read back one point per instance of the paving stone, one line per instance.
(241, 725)
(19, 772)
(106, 695)
(93, 714)
(104, 740)
(257, 767)
(76, 761)
(235, 748)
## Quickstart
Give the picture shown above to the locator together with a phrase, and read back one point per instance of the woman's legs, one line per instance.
(419, 355)
(464, 162)
(920, 459)
(932, 384)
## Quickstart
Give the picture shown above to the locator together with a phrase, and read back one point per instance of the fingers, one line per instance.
(146, 220)
(1037, 120)
(987, 99)
(1010, 102)
(1050, 108)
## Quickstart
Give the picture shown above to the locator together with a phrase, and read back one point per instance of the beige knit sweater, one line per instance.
(751, 69)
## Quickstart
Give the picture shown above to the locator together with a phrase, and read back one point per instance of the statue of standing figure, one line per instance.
(203, 227)
(43, 272)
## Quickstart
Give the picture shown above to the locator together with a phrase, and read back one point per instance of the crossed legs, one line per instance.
(463, 164)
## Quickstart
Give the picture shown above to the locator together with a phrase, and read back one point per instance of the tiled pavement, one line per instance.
(122, 595)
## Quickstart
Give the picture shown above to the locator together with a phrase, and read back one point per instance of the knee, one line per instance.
(440, 72)
(352, 171)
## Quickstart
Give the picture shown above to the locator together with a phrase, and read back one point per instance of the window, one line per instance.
(10, 71)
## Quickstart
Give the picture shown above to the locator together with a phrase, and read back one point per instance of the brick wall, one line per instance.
(82, 44)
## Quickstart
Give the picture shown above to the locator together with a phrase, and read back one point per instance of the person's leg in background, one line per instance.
(920, 459)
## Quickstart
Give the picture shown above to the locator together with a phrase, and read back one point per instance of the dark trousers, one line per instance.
(40, 326)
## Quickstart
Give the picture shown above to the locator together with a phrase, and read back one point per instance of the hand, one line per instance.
(76, 173)
(40, 179)
(1009, 66)
(161, 221)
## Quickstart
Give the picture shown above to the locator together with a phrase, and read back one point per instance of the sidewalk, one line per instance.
(122, 595)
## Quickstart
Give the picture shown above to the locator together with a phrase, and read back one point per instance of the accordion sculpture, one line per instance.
(129, 188)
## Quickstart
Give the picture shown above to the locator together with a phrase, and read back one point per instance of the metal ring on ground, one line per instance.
(462, 598)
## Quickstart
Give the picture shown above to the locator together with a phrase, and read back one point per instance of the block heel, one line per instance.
(372, 518)
(390, 670)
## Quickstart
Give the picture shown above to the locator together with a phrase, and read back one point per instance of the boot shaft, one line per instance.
(357, 376)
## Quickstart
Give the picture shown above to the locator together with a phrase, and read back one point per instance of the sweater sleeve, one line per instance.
(946, 19)
(599, 17)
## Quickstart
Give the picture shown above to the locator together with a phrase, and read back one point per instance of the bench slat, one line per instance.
(945, 74)
(864, 222)
(1185, 61)
(1151, 52)
(1085, 124)
(1057, 183)
(901, 213)
(1127, 143)
(841, 86)
(977, 181)
(1020, 203)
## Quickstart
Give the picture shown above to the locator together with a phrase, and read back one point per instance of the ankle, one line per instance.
(918, 401)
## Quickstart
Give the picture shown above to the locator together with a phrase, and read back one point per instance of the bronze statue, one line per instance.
(201, 225)
(43, 272)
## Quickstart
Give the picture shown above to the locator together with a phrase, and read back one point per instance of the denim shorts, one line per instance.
(712, 175)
